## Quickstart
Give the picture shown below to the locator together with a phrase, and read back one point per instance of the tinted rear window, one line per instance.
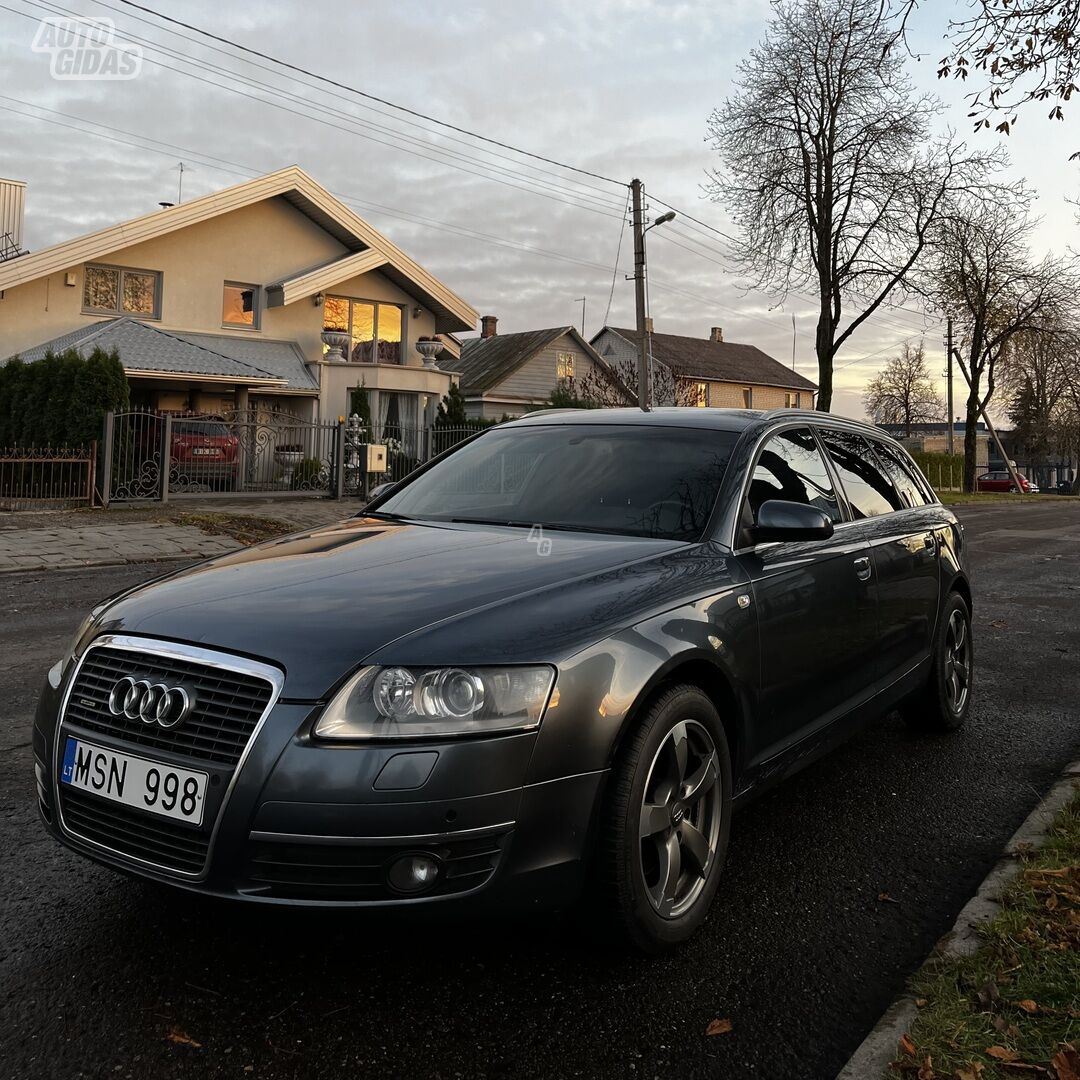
(869, 491)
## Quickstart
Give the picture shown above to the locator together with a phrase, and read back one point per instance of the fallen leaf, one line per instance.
(972, 1071)
(181, 1038)
(1002, 1053)
(920, 1002)
(1028, 1005)
(988, 993)
(907, 1046)
(885, 898)
(718, 1027)
(998, 624)
(926, 1070)
(1066, 1063)
(1000, 1023)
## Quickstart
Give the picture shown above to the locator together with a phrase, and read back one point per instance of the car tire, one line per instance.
(654, 892)
(944, 703)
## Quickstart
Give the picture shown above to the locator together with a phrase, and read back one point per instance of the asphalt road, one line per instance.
(799, 952)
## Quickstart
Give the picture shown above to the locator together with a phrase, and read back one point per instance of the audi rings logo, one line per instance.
(151, 702)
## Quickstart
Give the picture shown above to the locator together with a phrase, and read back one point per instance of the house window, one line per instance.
(118, 290)
(791, 401)
(701, 395)
(747, 397)
(375, 330)
(564, 367)
(240, 306)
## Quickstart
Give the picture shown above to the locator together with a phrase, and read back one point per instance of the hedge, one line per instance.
(944, 471)
(60, 400)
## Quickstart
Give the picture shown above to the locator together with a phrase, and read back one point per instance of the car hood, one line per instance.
(318, 603)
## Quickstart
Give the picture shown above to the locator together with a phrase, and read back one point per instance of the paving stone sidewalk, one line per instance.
(70, 541)
(102, 545)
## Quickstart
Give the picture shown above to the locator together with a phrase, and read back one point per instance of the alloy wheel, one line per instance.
(679, 821)
(957, 662)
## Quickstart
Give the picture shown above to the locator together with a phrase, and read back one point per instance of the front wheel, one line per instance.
(943, 705)
(667, 821)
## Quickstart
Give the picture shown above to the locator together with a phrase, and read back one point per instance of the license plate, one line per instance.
(205, 451)
(174, 793)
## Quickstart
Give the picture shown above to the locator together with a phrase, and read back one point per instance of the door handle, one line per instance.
(862, 568)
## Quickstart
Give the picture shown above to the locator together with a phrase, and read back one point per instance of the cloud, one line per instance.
(620, 87)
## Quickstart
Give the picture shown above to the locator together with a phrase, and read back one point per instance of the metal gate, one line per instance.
(155, 456)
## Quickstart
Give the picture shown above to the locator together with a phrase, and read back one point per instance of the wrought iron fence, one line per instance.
(149, 455)
(47, 477)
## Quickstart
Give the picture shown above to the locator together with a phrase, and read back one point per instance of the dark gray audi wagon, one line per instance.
(545, 666)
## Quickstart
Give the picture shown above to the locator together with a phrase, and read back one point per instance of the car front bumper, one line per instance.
(306, 823)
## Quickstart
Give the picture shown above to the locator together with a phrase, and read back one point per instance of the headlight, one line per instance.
(427, 703)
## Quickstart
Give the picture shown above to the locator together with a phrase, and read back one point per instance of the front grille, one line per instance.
(298, 871)
(148, 837)
(228, 704)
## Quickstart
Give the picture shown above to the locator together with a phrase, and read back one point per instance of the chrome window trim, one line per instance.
(174, 651)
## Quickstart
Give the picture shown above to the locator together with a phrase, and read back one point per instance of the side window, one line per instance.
(869, 491)
(900, 474)
(791, 467)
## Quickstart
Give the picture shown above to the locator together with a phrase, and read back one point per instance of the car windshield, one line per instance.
(629, 479)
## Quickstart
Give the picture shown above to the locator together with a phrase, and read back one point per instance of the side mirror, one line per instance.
(778, 519)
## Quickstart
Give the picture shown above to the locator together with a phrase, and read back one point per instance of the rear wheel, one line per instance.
(944, 703)
(667, 821)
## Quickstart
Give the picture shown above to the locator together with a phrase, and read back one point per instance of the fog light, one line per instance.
(413, 873)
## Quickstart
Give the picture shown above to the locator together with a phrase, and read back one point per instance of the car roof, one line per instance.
(737, 420)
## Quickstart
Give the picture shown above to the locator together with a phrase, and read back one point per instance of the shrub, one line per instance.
(60, 400)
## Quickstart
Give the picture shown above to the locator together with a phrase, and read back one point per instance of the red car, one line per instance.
(203, 450)
(1001, 481)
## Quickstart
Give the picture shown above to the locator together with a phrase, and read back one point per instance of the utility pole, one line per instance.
(644, 387)
(948, 383)
(180, 186)
(793, 336)
(581, 300)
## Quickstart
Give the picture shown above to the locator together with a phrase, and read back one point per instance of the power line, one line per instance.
(170, 150)
(590, 205)
(615, 268)
(371, 97)
(360, 104)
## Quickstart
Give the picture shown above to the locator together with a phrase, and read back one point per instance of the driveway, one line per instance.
(102, 976)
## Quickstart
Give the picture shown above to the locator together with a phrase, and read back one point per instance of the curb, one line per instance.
(189, 556)
(879, 1049)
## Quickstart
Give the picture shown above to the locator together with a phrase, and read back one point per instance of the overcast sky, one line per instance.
(619, 87)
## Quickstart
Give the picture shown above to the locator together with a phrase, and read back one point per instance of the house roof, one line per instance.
(486, 362)
(296, 187)
(724, 361)
(276, 365)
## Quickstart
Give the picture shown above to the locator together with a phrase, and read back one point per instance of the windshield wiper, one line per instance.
(385, 515)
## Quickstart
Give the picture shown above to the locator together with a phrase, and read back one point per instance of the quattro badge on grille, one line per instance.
(151, 702)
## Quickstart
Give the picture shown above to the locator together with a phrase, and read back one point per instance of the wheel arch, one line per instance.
(702, 671)
(962, 586)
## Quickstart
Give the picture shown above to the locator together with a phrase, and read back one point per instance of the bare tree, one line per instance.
(1022, 51)
(904, 393)
(597, 389)
(985, 276)
(828, 166)
(1035, 377)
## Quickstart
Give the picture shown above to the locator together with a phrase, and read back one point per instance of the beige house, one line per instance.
(708, 372)
(222, 302)
(509, 374)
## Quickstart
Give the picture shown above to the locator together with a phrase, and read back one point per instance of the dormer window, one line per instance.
(121, 290)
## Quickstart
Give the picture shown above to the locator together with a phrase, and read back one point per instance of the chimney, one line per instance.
(487, 325)
(717, 334)
(12, 197)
